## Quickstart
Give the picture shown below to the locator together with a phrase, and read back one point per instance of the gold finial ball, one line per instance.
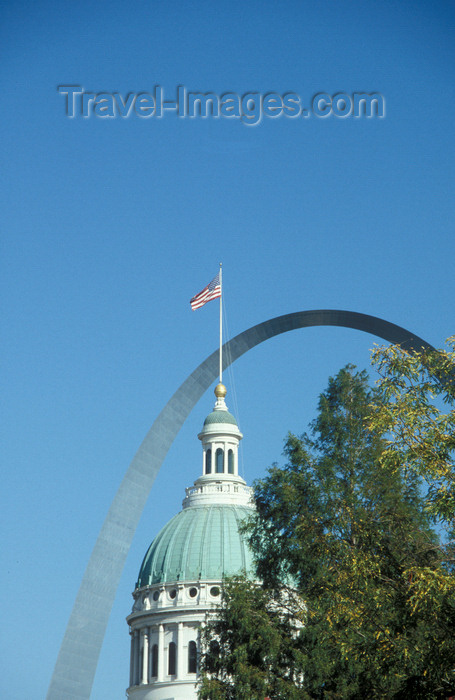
(220, 391)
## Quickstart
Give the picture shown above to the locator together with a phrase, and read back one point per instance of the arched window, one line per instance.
(231, 462)
(154, 672)
(208, 462)
(172, 659)
(219, 461)
(192, 657)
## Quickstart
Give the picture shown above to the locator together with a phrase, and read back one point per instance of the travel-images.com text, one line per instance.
(250, 107)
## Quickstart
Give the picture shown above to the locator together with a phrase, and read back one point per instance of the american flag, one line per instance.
(211, 291)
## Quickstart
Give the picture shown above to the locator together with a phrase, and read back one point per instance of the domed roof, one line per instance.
(198, 543)
(220, 417)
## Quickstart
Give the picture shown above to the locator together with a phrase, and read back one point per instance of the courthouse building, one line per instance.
(180, 578)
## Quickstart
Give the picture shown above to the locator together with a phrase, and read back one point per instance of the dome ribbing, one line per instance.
(198, 543)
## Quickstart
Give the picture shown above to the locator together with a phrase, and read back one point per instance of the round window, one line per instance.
(215, 591)
(172, 593)
(156, 595)
(193, 592)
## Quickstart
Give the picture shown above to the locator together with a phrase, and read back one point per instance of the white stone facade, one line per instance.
(162, 616)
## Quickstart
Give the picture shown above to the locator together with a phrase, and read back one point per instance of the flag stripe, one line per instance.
(211, 291)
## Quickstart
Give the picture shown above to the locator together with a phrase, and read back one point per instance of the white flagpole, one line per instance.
(221, 326)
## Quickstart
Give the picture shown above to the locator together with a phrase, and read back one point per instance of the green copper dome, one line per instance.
(200, 542)
(220, 417)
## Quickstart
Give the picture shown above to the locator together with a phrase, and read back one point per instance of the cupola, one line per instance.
(220, 437)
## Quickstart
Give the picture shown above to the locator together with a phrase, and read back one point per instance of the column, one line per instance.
(150, 653)
(136, 658)
(132, 659)
(180, 660)
(160, 653)
(145, 655)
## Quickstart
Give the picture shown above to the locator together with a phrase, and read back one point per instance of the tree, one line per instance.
(341, 537)
(421, 436)
(416, 410)
(255, 643)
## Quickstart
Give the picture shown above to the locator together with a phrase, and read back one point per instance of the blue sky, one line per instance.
(109, 226)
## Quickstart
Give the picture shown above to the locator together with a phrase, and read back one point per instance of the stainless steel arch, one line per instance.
(78, 657)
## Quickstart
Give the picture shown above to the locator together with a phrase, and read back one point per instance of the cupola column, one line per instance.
(180, 660)
(145, 655)
(161, 653)
(135, 658)
(132, 659)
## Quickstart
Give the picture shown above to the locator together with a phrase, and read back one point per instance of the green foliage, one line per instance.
(413, 389)
(255, 653)
(356, 599)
